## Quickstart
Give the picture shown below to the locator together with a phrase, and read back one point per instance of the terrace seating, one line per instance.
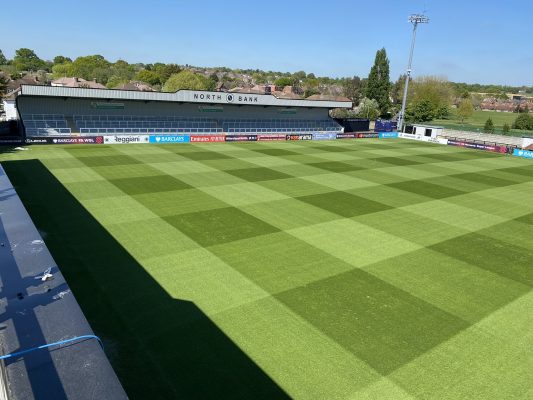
(129, 124)
(46, 125)
(144, 124)
(279, 126)
(479, 137)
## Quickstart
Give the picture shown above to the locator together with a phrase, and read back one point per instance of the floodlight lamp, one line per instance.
(418, 19)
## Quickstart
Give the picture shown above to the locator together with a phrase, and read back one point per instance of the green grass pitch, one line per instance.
(359, 269)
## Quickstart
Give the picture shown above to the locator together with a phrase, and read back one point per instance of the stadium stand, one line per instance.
(54, 110)
(47, 124)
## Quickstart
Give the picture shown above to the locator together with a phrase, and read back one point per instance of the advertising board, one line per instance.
(169, 139)
(388, 135)
(207, 138)
(64, 140)
(8, 141)
(423, 138)
(125, 139)
(302, 136)
(478, 146)
(346, 135)
(241, 138)
(382, 125)
(324, 136)
(269, 138)
(523, 153)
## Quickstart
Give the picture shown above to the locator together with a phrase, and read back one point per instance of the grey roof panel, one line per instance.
(184, 96)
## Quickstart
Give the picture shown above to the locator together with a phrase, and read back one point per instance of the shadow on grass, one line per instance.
(160, 347)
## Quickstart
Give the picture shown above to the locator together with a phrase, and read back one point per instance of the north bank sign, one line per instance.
(225, 97)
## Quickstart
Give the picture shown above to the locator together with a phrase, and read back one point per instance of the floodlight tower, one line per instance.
(415, 19)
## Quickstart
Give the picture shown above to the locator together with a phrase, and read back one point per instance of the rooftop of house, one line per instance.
(135, 85)
(77, 82)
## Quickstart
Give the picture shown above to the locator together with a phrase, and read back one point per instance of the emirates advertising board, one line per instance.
(207, 138)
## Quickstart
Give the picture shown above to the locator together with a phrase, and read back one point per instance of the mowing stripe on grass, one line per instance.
(307, 270)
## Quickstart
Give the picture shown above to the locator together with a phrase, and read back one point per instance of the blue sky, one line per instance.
(470, 40)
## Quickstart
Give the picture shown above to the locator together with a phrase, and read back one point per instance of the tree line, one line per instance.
(429, 97)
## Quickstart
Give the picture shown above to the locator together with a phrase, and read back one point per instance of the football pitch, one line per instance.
(357, 269)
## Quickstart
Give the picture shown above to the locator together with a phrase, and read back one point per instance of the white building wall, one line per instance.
(10, 109)
(421, 130)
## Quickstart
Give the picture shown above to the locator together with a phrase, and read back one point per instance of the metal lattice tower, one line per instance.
(415, 19)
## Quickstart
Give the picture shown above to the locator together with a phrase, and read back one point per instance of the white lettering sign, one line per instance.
(125, 139)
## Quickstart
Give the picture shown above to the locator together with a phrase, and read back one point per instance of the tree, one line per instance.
(465, 110)
(310, 92)
(211, 84)
(91, 67)
(506, 128)
(61, 70)
(151, 77)
(352, 89)
(61, 60)
(476, 100)
(165, 70)
(342, 113)
(420, 111)
(27, 60)
(523, 122)
(284, 81)
(397, 89)
(101, 74)
(115, 81)
(3, 85)
(258, 78)
(378, 85)
(299, 76)
(465, 94)
(489, 126)
(122, 70)
(433, 91)
(42, 77)
(3, 59)
(186, 80)
(368, 108)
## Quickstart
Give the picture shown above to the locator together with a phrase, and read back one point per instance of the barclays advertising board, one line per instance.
(170, 139)
(523, 153)
(324, 136)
